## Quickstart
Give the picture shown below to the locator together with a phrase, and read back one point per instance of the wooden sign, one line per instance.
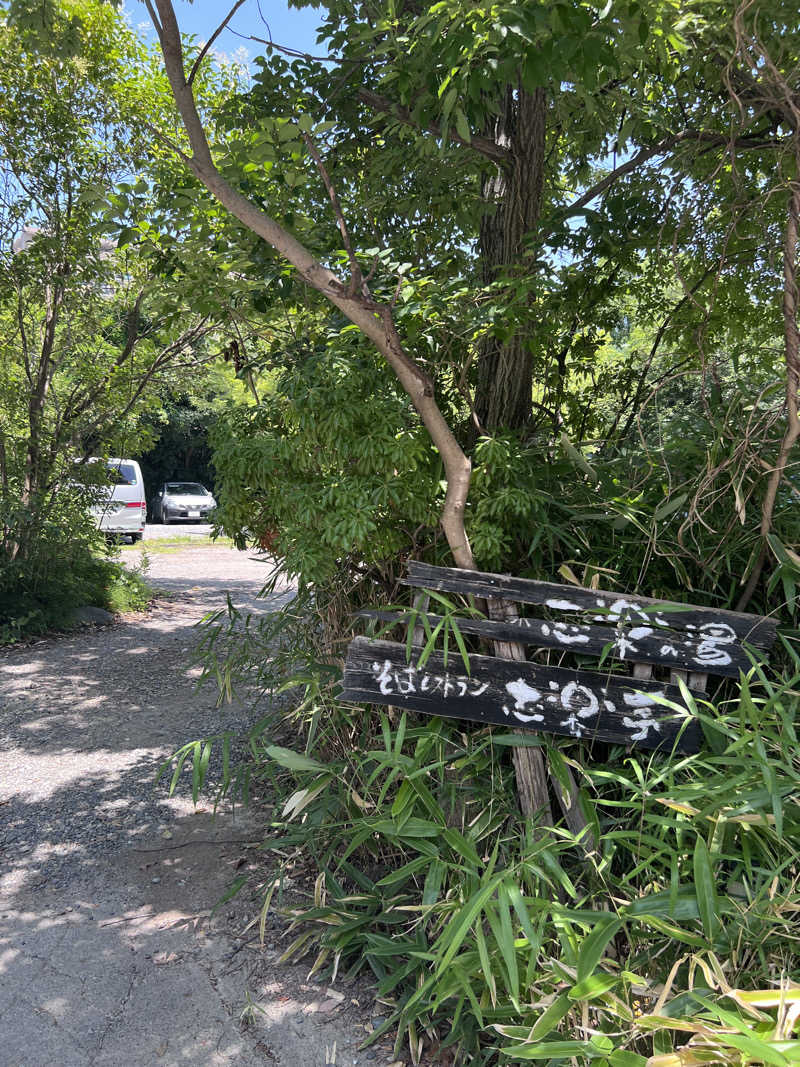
(709, 626)
(588, 705)
(713, 647)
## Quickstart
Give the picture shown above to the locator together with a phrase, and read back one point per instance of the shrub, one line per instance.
(64, 564)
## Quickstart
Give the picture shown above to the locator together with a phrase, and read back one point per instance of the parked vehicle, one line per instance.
(182, 501)
(122, 508)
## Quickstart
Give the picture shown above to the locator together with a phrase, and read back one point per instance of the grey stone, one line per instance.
(92, 616)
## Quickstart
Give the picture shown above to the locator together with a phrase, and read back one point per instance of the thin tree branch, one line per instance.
(357, 283)
(168, 142)
(792, 354)
(296, 52)
(164, 358)
(210, 41)
(633, 415)
(663, 146)
(154, 17)
(23, 336)
(374, 321)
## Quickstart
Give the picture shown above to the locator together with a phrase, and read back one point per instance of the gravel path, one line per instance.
(108, 953)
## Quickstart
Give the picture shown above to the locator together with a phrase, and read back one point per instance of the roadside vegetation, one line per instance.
(501, 286)
(100, 352)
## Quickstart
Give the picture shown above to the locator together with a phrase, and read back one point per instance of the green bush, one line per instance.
(501, 941)
(128, 590)
(334, 477)
(64, 564)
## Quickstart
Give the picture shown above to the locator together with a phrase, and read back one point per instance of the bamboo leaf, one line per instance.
(459, 926)
(550, 1017)
(293, 761)
(705, 889)
(462, 648)
(593, 986)
(518, 903)
(486, 967)
(593, 947)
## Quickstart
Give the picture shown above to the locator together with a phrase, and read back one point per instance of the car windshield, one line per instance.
(185, 489)
(122, 473)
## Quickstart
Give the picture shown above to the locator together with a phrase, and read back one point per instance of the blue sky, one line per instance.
(287, 26)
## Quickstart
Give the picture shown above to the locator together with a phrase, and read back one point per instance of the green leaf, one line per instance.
(402, 874)
(757, 1051)
(293, 761)
(462, 126)
(231, 891)
(504, 934)
(593, 986)
(705, 889)
(461, 923)
(430, 644)
(178, 768)
(447, 106)
(433, 883)
(622, 1058)
(518, 902)
(196, 771)
(550, 1017)
(486, 967)
(462, 648)
(593, 947)
(669, 506)
(559, 1050)
(462, 846)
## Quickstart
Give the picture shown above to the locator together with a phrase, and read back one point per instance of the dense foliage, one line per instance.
(94, 338)
(642, 302)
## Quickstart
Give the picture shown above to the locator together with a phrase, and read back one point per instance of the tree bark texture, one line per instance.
(514, 199)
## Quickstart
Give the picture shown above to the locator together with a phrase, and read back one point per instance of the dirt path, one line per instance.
(108, 954)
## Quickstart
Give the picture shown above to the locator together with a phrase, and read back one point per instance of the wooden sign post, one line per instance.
(580, 704)
(645, 647)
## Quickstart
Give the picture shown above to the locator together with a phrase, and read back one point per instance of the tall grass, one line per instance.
(503, 941)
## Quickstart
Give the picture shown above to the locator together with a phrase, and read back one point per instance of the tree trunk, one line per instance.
(34, 475)
(514, 199)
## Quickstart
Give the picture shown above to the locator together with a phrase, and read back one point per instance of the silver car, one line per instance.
(182, 502)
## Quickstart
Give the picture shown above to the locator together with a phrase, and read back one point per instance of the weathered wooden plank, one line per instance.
(605, 607)
(581, 704)
(530, 765)
(698, 680)
(678, 650)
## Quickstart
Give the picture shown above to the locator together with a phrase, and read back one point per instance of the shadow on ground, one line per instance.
(109, 953)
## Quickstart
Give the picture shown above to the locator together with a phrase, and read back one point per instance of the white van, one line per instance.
(123, 508)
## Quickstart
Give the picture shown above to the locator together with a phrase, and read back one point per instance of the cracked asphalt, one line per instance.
(109, 953)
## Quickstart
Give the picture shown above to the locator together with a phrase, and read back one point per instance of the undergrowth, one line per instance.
(494, 940)
(127, 588)
(66, 565)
